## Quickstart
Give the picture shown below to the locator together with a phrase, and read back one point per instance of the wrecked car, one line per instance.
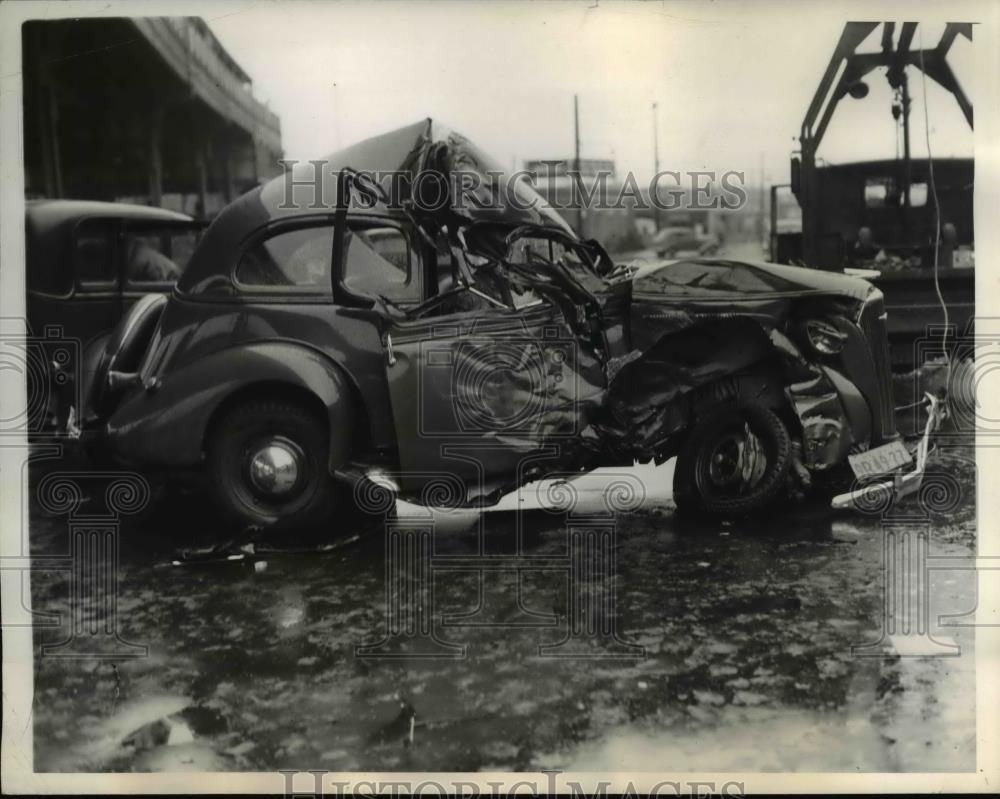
(328, 337)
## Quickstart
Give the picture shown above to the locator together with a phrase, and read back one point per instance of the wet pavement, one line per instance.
(733, 647)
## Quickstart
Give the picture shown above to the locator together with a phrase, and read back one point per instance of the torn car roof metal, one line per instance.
(309, 188)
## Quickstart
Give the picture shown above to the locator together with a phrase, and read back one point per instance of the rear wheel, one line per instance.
(268, 466)
(734, 462)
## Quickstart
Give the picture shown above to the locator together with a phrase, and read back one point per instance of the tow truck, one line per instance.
(905, 224)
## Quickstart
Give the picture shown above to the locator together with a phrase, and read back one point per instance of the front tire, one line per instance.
(268, 466)
(734, 462)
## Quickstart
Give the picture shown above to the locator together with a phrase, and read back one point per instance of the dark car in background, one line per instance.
(319, 345)
(87, 262)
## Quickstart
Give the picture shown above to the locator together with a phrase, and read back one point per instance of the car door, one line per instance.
(482, 396)
(484, 381)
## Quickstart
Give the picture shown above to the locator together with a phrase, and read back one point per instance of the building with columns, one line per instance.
(146, 109)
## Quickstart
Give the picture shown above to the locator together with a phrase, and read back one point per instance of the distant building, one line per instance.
(147, 109)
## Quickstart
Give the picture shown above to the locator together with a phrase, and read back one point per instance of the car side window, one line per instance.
(157, 255)
(379, 261)
(297, 259)
(94, 254)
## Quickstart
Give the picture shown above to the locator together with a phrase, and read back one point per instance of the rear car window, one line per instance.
(93, 254)
(44, 272)
(300, 258)
(157, 255)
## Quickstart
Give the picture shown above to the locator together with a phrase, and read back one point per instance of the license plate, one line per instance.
(880, 460)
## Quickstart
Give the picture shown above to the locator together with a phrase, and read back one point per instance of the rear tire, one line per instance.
(268, 466)
(734, 462)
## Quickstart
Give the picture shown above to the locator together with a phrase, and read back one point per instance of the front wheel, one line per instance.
(734, 462)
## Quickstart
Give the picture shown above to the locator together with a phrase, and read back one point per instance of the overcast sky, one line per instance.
(732, 81)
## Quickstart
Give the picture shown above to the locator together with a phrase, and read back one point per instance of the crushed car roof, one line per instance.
(309, 189)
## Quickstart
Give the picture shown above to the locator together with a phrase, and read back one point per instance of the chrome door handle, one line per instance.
(388, 348)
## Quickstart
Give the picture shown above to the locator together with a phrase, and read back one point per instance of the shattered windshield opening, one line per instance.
(529, 245)
(533, 258)
(529, 249)
(512, 268)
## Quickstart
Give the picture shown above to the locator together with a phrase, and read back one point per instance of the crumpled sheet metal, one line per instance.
(648, 397)
(509, 399)
(826, 433)
(528, 398)
(722, 280)
(519, 393)
(650, 394)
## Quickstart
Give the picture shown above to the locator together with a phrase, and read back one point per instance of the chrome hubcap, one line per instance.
(275, 468)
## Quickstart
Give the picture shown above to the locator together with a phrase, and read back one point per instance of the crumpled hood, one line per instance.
(731, 280)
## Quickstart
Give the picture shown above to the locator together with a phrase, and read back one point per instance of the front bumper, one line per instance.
(883, 493)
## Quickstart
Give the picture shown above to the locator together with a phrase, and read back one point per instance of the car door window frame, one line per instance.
(416, 271)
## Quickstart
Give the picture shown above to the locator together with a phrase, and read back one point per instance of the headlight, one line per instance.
(824, 337)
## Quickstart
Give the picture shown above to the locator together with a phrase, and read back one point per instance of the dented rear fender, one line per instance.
(168, 427)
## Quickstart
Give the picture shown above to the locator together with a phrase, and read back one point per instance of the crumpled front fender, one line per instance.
(167, 426)
(832, 411)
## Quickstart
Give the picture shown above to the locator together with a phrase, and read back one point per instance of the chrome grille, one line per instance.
(873, 324)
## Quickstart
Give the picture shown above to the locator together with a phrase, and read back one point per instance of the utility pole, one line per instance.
(907, 167)
(336, 119)
(902, 108)
(656, 167)
(576, 163)
(761, 201)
